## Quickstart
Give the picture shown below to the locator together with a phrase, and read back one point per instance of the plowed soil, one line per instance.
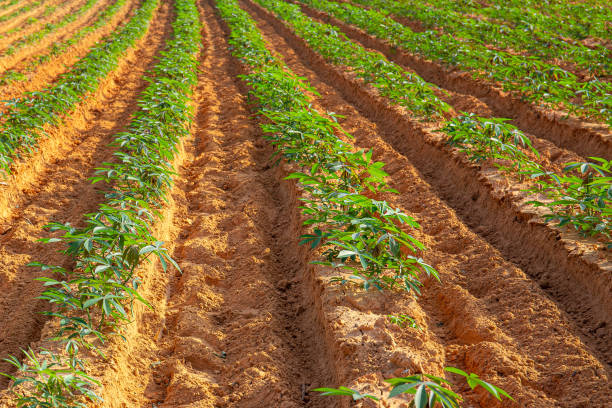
(57, 188)
(18, 19)
(23, 55)
(250, 322)
(62, 9)
(47, 73)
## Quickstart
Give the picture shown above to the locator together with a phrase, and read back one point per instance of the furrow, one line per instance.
(41, 76)
(473, 313)
(21, 17)
(238, 330)
(584, 138)
(39, 22)
(11, 61)
(60, 190)
(553, 156)
(566, 267)
(12, 6)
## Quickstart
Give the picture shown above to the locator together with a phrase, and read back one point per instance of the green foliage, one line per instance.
(491, 139)
(11, 76)
(404, 88)
(428, 390)
(403, 320)
(7, 4)
(580, 20)
(356, 395)
(94, 298)
(587, 208)
(356, 232)
(20, 11)
(23, 123)
(580, 197)
(536, 40)
(533, 79)
(52, 381)
(48, 28)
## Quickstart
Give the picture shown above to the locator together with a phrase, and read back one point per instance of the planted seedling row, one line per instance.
(23, 122)
(20, 11)
(579, 19)
(94, 299)
(48, 29)
(7, 3)
(580, 197)
(540, 43)
(19, 75)
(31, 20)
(354, 231)
(531, 78)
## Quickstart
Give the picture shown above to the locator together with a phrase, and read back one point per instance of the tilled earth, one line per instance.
(250, 322)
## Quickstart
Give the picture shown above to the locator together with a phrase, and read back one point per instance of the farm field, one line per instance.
(262, 203)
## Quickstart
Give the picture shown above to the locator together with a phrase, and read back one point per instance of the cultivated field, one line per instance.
(232, 203)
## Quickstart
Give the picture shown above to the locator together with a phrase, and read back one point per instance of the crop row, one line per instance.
(577, 20)
(7, 3)
(59, 47)
(31, 20)
(533, 79)
(352, 230)
(94, 299)
(24, 121)
(337, 180)
(21, 10)
(537, 42)
(580, 197)
(49, 28)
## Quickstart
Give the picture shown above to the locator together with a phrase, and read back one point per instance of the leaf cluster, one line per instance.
(20, 11)
(427, 390)
(49, 28)
(356, 232)
(531, 78)
(537, 41)
(576, 20)
(586, 208)
(60, 47)
(581, 196)
(93, 299)
(22, 124)
(404, 88)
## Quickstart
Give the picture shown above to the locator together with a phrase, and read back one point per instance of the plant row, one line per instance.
(577, 20)
(537, 42)
(357, 232)
(49, 28)
(31, 20)
(21, 10)
(93, 300)
(580, 196)
(11, 75)
(354, 231)
(531, 78)
(7, 3)
(23, 122)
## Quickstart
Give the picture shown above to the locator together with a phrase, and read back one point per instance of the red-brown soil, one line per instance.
(583, 137)
(63, 8)
(249, 322)
(20, 18)
(47, 73)
(54, 186)
(504, 196)
(23, 54)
